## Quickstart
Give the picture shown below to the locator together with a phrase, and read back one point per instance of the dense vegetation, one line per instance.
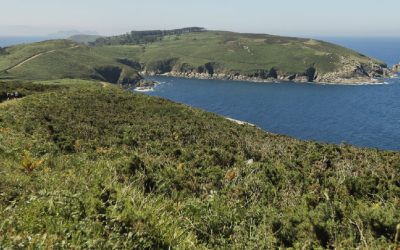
(143, 37)
(88, 165)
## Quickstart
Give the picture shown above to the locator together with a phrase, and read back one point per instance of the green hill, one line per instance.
(228, 55)
(191, 52)
(85, 39)
(85, 164)
(89, 165)
(57, 59)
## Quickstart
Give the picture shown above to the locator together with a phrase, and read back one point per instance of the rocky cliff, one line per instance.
(254, 57)
(396, 68)
(350, 72)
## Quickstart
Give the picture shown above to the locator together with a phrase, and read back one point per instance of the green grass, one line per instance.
(85, 165)
(86, 39)
(229, 51)
(16, 54)
(61, 59)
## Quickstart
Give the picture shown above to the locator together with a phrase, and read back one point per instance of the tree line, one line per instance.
(143, 37)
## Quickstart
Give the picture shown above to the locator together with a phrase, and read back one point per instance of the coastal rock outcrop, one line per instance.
(145, 83)
(396, 68)
(119, 75)
(350, 72)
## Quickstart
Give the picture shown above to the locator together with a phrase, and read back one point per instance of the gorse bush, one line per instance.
(113, 169)
(29, 164)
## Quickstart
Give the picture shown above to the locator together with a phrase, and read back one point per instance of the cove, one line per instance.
(364, 116)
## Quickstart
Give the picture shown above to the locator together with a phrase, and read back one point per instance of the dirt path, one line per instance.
(31, 58)
(36, 56)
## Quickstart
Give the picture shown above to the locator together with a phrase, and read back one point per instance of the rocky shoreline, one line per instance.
(291, 78)
(396, 68)
(351, 72)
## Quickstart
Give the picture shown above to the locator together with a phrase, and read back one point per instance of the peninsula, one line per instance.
(194, 53)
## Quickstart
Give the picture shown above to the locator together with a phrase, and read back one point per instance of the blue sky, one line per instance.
(282, 17)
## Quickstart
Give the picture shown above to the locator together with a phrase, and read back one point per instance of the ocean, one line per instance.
(364, 116)
(386, 49)
(15, 40)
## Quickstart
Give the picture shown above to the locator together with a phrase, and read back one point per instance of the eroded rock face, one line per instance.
(209, 68)
(130, 63)
(109, 73)
(146, 83)
(129, 79)
(351, 72)
(161, 66)
(264, 74)
(396, 68)
(273, 73)
(354, 72)
(311, 74)
(118, 75)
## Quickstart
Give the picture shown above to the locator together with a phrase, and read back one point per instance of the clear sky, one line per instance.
(281, 17)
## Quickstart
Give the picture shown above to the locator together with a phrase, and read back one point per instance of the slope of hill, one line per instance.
(57, 59)
(88, 165)
(143, 37)
(227, 55)
(85, 39)
(191, 52)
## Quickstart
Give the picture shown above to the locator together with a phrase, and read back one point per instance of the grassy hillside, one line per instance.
(201, 54)
(246, 54)
(88, 165)
(13, 55)
(143, 37)
(85, 39)
(62, 59)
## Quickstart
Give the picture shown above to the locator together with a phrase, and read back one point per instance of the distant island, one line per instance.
(194, 53)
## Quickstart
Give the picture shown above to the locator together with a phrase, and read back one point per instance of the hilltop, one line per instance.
(190, 52)
(195, 52)
(89, 165)
(83, 38)
(55, 59)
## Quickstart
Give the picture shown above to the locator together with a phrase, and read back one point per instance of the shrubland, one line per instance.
(90, 165)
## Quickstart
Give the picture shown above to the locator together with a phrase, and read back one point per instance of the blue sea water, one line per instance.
(365, 116)
(15, 40)
(386, 49)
